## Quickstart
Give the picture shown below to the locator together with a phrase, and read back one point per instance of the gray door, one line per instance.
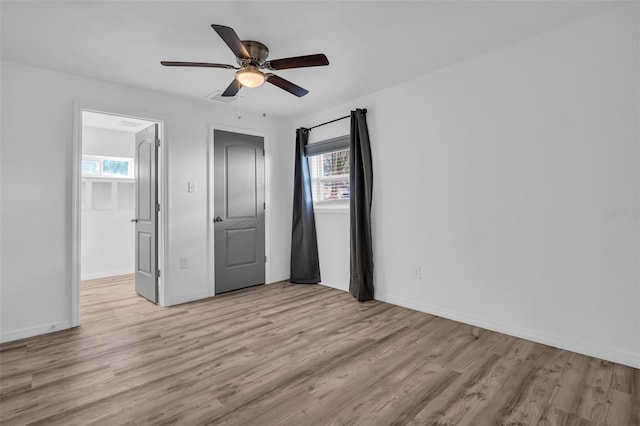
(238, 210)
(146, 175)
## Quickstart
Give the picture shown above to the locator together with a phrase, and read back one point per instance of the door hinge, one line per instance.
(264, 206)
(263, 152)
(265, 259)
(158, 273)
(157, 207)
(157, 142)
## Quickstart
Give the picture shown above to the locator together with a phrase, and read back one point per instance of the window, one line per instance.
(115, 168)
(110, 167)
(90, 167)
(329, 169)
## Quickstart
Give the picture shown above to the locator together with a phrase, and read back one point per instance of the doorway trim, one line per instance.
(76, 200)
(211, 127)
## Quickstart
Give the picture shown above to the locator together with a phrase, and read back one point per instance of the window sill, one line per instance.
(331, 209)
(109, 178)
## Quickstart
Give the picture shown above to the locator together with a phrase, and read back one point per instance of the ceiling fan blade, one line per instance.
(196, 64)
(286, 85)
(229, 36)
(299, 62)
(232, 89)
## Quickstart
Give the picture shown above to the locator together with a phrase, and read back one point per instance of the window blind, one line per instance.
(330, 176)
(329, 145)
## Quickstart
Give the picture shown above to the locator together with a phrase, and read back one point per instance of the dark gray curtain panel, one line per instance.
(361, 182)
(305, 265)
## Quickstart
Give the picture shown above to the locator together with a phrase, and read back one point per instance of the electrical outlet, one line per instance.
(184, 262)
(417, 272)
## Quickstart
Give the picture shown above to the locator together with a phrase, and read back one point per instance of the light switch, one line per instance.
(417, 272)
(192, 187)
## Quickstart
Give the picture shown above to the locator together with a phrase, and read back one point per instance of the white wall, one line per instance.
(108, 142)
(37, 108)
(108, 243)
(495, 175)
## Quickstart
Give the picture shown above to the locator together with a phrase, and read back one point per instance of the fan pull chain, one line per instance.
(264, 102)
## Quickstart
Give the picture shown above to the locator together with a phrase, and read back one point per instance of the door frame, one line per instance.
(76, 200)
(211, 273)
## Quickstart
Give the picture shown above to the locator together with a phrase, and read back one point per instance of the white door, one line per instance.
(147, 207)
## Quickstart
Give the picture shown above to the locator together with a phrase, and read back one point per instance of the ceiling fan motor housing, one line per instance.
(258, 52)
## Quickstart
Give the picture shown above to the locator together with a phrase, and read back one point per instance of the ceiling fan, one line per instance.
(251, 57)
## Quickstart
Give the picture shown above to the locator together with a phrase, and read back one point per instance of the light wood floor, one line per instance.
(297, 355)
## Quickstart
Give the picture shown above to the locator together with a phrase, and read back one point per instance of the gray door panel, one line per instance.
(146, 238)
(239, 207)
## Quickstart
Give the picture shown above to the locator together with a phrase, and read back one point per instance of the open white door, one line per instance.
(146, 208)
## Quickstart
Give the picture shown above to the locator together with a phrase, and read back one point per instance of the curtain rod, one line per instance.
(364, 110)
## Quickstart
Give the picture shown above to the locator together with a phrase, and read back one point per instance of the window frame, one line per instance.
(341, 143)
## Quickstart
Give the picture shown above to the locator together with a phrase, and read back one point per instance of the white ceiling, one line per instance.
(371, 45)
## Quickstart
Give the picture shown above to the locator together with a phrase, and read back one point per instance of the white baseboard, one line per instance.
(23, 333)
(622, 357)
(105, 274)
(201, 295)
(340, 287)
(188, 298)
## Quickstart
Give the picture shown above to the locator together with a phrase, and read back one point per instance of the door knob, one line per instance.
(134, 220)
(218, 219)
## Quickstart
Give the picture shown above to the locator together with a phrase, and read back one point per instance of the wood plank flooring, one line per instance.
(287, 354)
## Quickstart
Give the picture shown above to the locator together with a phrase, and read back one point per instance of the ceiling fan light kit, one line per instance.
(251, 57)
(250, 76)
